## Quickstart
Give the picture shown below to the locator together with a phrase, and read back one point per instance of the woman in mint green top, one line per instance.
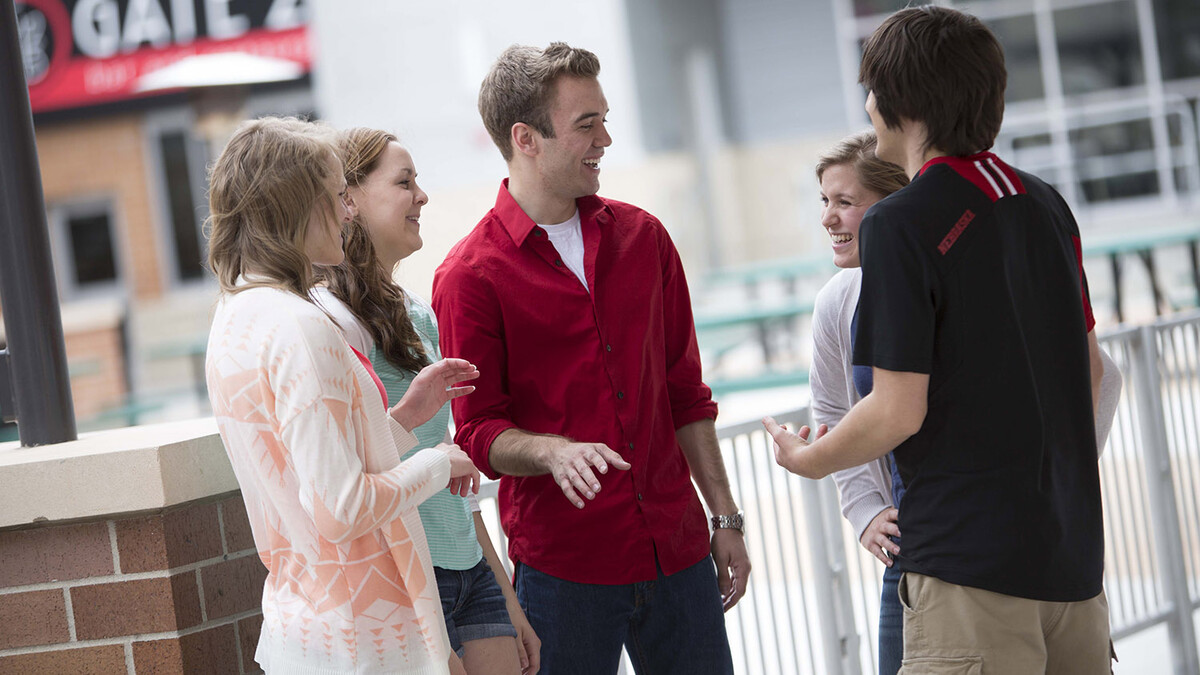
(399, 333)
(449, 525)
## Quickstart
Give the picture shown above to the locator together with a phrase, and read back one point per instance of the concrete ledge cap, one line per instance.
(112, 472)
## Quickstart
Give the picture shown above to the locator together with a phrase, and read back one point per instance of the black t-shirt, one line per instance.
(972, 274)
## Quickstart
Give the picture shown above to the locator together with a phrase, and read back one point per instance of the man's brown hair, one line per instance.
(520, 88)
(940, 67)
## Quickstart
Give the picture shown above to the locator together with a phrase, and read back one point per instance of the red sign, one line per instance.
(86, 52)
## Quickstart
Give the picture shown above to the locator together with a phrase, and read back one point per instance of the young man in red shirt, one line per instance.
(974, 317)
(590, 405)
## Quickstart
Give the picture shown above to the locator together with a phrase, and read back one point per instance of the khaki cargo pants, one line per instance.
(959, 630)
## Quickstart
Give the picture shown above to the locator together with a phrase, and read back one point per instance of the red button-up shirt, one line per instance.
(618, 366)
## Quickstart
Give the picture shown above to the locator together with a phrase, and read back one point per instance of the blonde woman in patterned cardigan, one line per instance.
(398, 331)
(304, 419)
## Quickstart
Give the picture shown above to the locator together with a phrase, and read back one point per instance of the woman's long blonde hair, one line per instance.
(858, 150)
(361, 282)
(262, 191)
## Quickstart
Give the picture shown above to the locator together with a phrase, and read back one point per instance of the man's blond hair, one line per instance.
(520, 88)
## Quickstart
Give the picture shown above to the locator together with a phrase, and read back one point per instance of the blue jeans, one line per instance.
(673, 624)
(891, 622)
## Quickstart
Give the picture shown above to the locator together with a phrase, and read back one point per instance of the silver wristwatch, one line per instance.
(733, 522)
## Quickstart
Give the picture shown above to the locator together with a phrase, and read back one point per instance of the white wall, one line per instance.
(415, 67)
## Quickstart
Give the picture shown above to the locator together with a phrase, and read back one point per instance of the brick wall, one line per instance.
(106, 158)
(97, 362)
(177, 591)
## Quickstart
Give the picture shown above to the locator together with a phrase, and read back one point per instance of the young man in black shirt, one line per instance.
(974, 316)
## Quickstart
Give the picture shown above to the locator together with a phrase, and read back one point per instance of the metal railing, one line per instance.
(1149, 476)
(813, 604)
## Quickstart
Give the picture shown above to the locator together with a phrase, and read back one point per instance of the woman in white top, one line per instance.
(350, 588)
(852, 179)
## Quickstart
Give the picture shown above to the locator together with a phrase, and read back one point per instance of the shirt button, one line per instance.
(620, 394)
(537, 232)
(639, 496)
(558, 262)
(608, 348)
(631, 445)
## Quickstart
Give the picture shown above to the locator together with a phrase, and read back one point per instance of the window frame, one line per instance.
(58, 216)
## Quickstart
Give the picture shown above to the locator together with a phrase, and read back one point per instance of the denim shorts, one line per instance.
(473, 604)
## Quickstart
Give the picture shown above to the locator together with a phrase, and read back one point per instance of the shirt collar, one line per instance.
(518, 224)
(247, 278)
(956, 161)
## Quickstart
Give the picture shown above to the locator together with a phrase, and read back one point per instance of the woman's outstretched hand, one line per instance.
(431, 389)
(464, 477)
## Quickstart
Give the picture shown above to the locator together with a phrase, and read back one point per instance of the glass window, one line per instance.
(1098, 47)
(1018, 36)
(1114, 161)
(1178, 25)
(1141, 184)
(91, 240)
(182, 207)
(1033, 141)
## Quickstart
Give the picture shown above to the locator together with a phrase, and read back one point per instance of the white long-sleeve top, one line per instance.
(866, 490)
(333, 510)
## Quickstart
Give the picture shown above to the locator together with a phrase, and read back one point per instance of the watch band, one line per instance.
(731, 522)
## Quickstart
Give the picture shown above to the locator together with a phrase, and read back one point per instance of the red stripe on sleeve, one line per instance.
(1088, 318)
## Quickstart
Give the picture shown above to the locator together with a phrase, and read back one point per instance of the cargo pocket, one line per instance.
(942, 665)
(903, 591)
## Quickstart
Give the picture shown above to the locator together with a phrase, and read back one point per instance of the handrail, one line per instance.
(813, 598)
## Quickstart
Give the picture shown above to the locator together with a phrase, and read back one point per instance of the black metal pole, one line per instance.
(32, 321)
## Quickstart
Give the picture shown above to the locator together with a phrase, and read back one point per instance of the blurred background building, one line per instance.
(718, 110)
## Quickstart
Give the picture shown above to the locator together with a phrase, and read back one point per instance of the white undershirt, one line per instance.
(567, 238)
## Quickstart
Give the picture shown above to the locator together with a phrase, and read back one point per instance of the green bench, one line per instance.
(720, 330)
(715, 326)
(767, 380)
(788, 270)
(1142, 243)
(193, 349)
(128, 414)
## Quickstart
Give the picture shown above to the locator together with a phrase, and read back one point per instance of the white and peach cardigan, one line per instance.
(350, 586)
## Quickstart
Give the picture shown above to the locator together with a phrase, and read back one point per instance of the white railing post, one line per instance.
(835, 609)
(1165, 515)
(848, 638)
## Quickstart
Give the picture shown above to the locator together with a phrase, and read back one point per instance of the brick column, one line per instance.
(176, 591)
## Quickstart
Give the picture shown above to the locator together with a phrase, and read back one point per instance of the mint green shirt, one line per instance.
(449, 524)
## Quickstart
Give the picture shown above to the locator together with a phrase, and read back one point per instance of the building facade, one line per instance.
(718, 111)
(128, 110)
